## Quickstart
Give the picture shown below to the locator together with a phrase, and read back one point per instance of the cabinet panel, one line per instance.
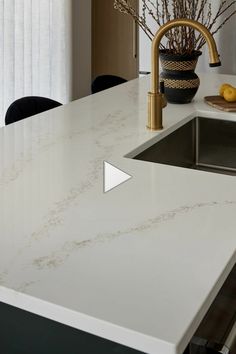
(114, 41)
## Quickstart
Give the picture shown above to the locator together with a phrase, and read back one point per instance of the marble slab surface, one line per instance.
(139, 265)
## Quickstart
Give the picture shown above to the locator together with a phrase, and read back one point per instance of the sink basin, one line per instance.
(202, 144)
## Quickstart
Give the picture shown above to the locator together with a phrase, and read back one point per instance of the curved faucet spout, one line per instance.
(156, 98)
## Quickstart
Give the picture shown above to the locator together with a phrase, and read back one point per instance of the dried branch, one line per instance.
(180, 40)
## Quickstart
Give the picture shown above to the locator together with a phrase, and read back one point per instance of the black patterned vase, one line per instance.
(180, 81)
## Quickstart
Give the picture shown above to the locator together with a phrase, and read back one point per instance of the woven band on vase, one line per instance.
(181, 84)
(179, 65)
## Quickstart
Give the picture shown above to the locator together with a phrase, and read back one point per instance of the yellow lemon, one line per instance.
(223, 88)
(230, 94)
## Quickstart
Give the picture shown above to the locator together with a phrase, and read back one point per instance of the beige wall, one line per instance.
(81, 55)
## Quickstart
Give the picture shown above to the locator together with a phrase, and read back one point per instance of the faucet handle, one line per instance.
(162, 87)
(162, 91)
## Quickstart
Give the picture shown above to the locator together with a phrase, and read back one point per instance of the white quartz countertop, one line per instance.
(139, 265)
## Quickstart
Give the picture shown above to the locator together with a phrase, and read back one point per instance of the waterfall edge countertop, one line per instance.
(139, 265)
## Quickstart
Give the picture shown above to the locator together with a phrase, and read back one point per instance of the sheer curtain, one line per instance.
(35, 50)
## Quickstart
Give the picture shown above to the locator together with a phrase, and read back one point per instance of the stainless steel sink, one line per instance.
(201, 144)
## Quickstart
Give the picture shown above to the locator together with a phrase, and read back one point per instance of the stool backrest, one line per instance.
(28, 106)
(104, 82)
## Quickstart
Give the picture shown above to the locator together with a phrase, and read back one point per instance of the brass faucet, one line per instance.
(156, 98)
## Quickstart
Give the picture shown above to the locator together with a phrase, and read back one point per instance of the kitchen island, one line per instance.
(139, 265)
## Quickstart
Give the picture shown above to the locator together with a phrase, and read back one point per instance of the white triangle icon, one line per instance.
(113, 176)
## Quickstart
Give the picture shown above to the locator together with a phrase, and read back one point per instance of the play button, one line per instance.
(113, 176)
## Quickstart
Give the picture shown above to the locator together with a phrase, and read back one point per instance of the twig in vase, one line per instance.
(180, 40)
